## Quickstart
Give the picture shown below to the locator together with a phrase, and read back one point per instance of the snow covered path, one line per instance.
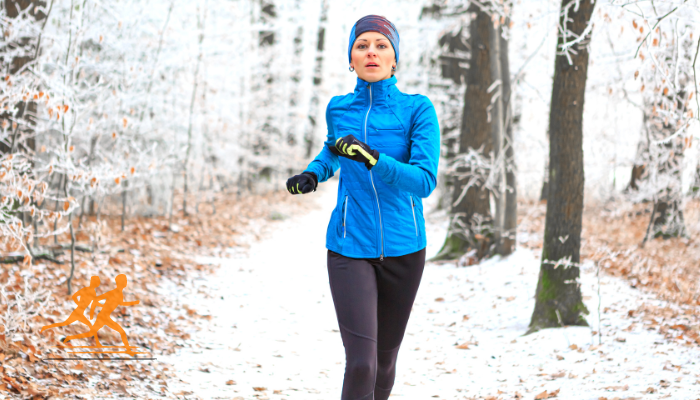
(273, 331)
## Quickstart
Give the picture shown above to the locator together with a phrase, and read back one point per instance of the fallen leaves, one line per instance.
(617, 388)
(465, 345)
(558, 375)
(135, 252)
(666, 267)
(547, 395)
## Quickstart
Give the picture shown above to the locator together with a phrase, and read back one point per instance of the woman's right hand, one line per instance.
(303, 183)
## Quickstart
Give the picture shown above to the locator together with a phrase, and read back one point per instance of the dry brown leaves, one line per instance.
(465, 345)
(668, 268)
(149, 254)
(547, 395)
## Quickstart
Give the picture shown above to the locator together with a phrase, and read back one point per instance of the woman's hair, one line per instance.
(375, 23)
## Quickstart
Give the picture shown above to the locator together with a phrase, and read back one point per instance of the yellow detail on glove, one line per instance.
(351, 150)
(369, 157)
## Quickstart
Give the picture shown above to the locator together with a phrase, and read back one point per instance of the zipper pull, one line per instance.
(381, 257)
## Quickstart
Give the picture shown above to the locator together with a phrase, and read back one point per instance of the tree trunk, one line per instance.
(185, 164)
(544, 192)
(667, 220)
(454, 51)
(58, 195)
(558, 296)
(510, 220)
(635, 177)
(26, 111)
(497, 134)
(471, 225)
(66, 192)
(318, 79)
(666, 158)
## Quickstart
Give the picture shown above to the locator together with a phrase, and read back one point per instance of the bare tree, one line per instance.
(558, 296)
(510, 218)
(24, 111)
(496, 117)
(200, 27)
(471, 223)
(318, 77)
(667, 111)
(448, 69)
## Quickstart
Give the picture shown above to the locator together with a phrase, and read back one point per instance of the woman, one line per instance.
(387, 145)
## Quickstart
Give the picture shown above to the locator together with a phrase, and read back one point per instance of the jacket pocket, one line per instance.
(413, 211)
(345, 215)
(388, 138)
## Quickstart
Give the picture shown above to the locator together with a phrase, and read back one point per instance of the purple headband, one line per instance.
(375, 23)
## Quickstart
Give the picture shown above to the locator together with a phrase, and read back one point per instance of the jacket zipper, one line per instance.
(345, 216)
(381, 231)
(413, 206)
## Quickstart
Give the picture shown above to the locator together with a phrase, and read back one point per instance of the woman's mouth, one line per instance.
(371, 65)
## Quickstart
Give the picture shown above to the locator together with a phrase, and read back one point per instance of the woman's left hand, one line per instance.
(303, 183)
(356, 150)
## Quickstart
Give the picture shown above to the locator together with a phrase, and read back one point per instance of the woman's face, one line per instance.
(372, 57)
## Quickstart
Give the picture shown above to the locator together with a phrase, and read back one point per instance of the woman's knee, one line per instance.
(361, 369)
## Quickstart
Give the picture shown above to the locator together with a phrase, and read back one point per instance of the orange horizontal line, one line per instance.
(104, 352)
(95, 347)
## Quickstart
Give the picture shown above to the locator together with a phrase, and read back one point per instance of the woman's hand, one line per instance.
(349, 147)
(303, 183)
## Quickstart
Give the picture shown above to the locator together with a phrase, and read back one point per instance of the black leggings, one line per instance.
(373, 301)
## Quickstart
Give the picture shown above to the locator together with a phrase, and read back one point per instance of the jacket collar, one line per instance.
(379, 88)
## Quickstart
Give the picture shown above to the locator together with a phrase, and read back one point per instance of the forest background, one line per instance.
(136, 118)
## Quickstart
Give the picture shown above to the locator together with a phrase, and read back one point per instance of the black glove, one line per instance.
(303, 183)
(349, 147)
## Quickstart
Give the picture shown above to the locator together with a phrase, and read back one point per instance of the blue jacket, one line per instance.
(379, 213)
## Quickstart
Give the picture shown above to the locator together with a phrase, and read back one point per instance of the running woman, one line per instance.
(387, 145)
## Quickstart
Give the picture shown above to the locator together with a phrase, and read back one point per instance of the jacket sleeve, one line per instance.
(326, 163)
(419, 176)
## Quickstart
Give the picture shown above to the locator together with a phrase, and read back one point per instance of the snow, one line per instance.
(273, 326)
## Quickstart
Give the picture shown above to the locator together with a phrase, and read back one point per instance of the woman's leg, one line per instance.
(354, 289)
(398, 279)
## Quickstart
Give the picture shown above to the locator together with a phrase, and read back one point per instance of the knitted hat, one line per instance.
(375, 23)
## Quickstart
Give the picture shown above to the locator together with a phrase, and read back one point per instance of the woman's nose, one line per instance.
(371, 51)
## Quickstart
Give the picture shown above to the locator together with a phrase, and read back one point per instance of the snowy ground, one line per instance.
(273, 332)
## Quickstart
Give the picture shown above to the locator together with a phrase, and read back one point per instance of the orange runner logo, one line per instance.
(87, 296)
